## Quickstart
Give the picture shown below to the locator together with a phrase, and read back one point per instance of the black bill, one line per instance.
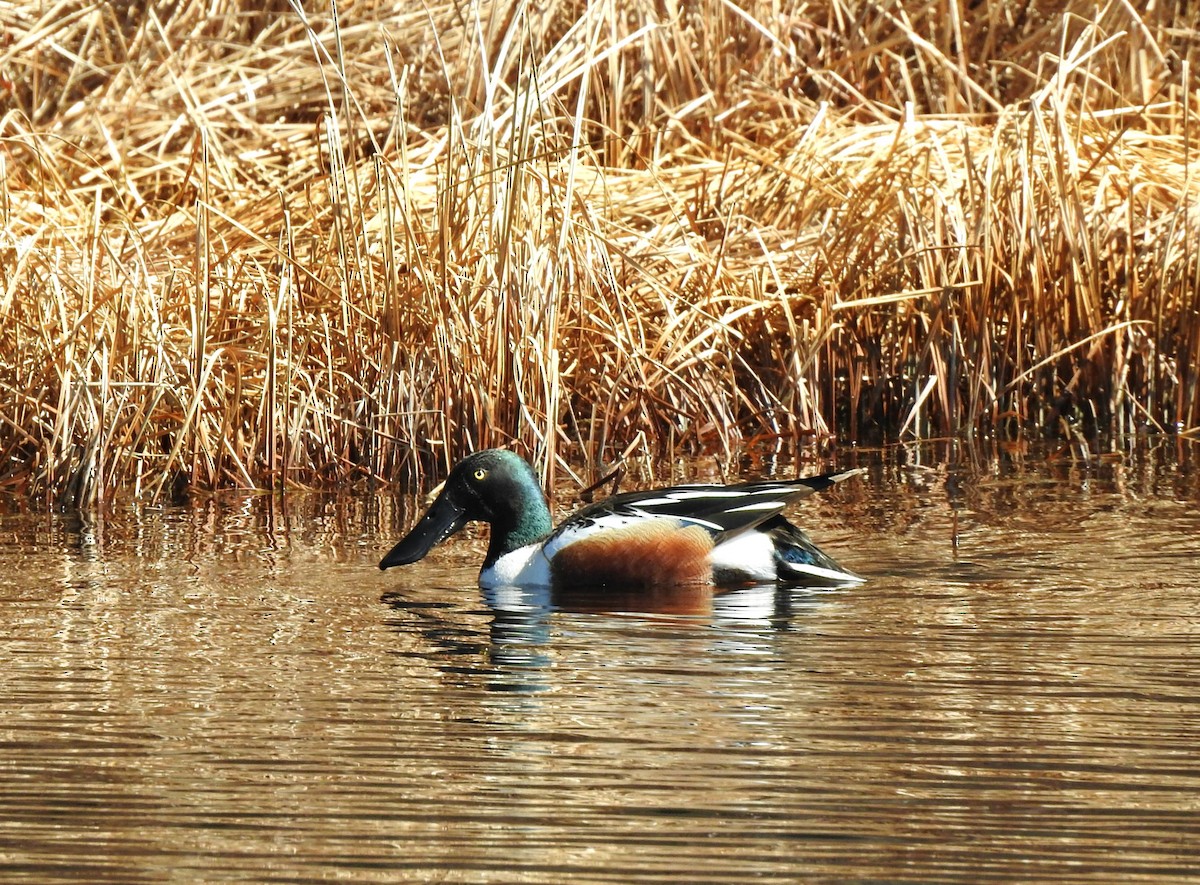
(441, 521)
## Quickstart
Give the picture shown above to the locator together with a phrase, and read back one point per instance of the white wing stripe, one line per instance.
(701, 494)
(758, 505)
(695, 520)
(676, 496)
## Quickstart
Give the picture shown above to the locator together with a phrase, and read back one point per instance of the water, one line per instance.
(233, 692)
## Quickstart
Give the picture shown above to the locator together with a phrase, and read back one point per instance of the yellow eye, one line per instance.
(480, 473)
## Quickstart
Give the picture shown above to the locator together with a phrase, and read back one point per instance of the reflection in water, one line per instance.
(764, 605)
(217, 693)
(520, 623)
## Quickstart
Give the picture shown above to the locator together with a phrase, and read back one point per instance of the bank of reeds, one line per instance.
(302, 245)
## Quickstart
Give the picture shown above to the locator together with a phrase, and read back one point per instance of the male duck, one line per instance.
(685, 534)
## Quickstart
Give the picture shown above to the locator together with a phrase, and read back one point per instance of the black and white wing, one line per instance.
(722, 510)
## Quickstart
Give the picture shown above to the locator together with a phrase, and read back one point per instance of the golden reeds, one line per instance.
(325, 244)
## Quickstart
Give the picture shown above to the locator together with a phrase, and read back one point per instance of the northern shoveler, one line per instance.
(723, 535)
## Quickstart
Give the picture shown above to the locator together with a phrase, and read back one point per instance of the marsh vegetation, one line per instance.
(307, 245)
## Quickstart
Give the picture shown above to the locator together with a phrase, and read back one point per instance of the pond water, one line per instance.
(231, 691)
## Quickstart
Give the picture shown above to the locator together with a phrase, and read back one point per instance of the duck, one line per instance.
(720, 535)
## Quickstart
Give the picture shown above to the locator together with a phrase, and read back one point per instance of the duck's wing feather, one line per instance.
(721, 510)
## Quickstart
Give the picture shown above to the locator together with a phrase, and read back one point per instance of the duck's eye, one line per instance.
(480, 474)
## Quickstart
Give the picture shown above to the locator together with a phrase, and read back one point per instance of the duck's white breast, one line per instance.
(525, 567)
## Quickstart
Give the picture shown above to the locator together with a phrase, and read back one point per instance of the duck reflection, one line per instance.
(507, 654)
(701, 605)
(529, 629)
(688, 600)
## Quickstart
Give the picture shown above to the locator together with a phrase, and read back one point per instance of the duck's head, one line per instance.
(493, 486)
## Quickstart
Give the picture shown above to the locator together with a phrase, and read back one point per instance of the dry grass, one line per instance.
(266, 248)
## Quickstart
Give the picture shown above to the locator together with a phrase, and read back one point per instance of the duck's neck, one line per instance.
(525, 520)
